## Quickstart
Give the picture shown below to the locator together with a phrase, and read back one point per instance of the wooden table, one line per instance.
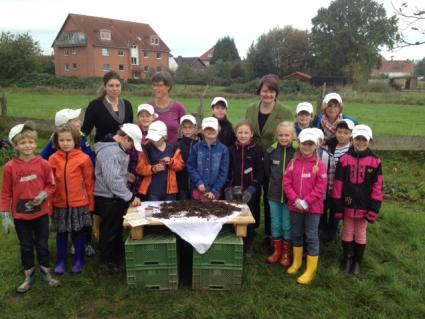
(240, 224)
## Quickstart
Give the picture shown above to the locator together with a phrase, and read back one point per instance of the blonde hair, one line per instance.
(244, 122)
(27, 132)
(289, 125)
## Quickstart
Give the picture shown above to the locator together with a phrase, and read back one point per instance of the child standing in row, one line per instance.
(276, 160)
(226, 134)
(358, 194)
(185, 144)
(246, 172)
(304, 116)
(305, 185)
(73, 199)
(158, 165)
(27, 183)
(208, 164)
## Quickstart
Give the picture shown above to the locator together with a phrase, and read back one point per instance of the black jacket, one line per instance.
(185, 145)
(227, 134)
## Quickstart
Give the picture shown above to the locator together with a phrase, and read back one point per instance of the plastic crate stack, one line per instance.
(220, 268)
(152, 262)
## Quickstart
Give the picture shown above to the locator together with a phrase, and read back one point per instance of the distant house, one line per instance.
(195, 63)
(394, 68)
(299, 76)
(331, 81)
(207, 56)
(89, 46)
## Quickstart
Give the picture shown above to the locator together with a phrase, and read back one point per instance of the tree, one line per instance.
(225, 50)
(295, 56)
(420, 68)
(45, 64)
(18, 56)
(413, 19)
(347, 36)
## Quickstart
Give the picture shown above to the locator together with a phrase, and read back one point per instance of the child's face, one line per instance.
(210, 134)
(145, 119)
(284, 136)
(308, 148)
(26, 146)
(188, 129)
(75, 123)
(158, 143)
(244, 134)
(343, 136)
(219, 111)
(65, 141)
(304, 119)
(126, 142)
(332, 110)
(360, 144)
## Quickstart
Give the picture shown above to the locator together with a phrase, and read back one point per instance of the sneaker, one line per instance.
(72, 250)
(89, 250)
(112, 268)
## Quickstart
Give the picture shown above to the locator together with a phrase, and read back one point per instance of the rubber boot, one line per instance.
(248, 247)
(358, 257)
(347, 255)
(28, 282)
(78, 240)
(310, 273)
(298, 260)
(277, 254)
(286, 260)
(61, 247)
(47, 277)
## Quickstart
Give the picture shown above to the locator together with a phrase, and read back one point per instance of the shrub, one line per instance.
(6, 151)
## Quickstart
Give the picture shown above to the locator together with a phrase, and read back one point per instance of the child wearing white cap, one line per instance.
(358, 195)
(305, 186)
(208, 164)
(189, 138)
(304, 116)
(226, 135)
(158, 164)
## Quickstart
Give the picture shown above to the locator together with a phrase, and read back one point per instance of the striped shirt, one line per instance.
(340, 151)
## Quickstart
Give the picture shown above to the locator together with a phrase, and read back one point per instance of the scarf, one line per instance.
(330, 128)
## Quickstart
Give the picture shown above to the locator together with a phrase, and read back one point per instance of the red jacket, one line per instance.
(22, 182)
(74, 177)
(306, 178)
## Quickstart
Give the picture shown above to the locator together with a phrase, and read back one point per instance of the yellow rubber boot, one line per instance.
(308, 276)
(297, 261)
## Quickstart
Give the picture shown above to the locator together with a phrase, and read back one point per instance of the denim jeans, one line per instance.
(281, 220)
(33, 234)
(307, 224)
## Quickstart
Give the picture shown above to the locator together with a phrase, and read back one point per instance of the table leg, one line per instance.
(137, 233)
(240, 229)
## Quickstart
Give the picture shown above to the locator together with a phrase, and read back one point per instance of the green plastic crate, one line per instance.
(157, 249)
(158, 278)
(222, 278)
(226, 251)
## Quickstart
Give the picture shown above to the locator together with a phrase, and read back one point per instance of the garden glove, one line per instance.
(7, 221)
(228, 194)
(37, 200)
(247, 194)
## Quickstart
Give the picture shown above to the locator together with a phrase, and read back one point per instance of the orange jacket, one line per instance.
(145, 168)
(74, 177)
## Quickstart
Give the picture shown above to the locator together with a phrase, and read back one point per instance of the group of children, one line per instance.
(307, 176)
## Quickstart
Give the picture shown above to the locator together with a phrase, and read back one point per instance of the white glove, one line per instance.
(7, 221)
(37, 200)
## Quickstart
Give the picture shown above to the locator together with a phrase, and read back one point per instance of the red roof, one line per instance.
(392, 66)
(207, 55)
(298, 76)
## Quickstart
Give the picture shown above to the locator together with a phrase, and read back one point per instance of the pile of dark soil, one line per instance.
(190, 208)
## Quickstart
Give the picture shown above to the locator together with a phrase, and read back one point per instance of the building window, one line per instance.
(106, 67)
(134, 46)
(158, 69)
(121, 67)
(74, 66)
(65, 52)
(146, 54)
(134, 61)
(154, 40)
(136, 75)
(105, 36)
(66, 67)
(158, 55)
(120, 52)
(105, 51)
(74, 51)
(146, 68)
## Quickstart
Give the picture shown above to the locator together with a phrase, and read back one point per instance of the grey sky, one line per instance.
(188, 27)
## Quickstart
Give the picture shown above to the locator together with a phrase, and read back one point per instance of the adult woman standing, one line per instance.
(108, 111)
(168, 110)
(265, 116)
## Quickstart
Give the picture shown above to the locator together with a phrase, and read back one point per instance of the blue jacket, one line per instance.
(318, 122)
(209, 165)
(49, 149)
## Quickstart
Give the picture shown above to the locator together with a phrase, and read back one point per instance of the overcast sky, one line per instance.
(188, 27)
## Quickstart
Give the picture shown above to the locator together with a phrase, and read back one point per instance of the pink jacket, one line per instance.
(303, 181)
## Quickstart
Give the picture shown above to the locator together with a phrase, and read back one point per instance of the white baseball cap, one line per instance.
(219, 99)
(64, 115)
(133, 131)
(210, 122)
(147, 107)
(189, 118)
(156, 130)
(17, 129)
(362, 130)
(319, 133)
(304, 106)
(308, 134)
(349, 124)
(332, 96)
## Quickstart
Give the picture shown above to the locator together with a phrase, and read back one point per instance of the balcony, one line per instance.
(71, 39)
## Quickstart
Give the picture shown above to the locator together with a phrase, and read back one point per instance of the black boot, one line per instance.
(358, 257)
(347, 255)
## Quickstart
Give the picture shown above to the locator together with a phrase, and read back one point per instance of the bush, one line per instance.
(298, 87)
(62, 82)
(6, 151)
(375, 86)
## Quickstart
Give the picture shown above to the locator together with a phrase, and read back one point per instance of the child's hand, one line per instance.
(159, 167)
(136, 202)
(298, 205)
(7, 222)
(166, 160)
(39, 198)
(201, 188)
(209, 195)
(131, 178)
